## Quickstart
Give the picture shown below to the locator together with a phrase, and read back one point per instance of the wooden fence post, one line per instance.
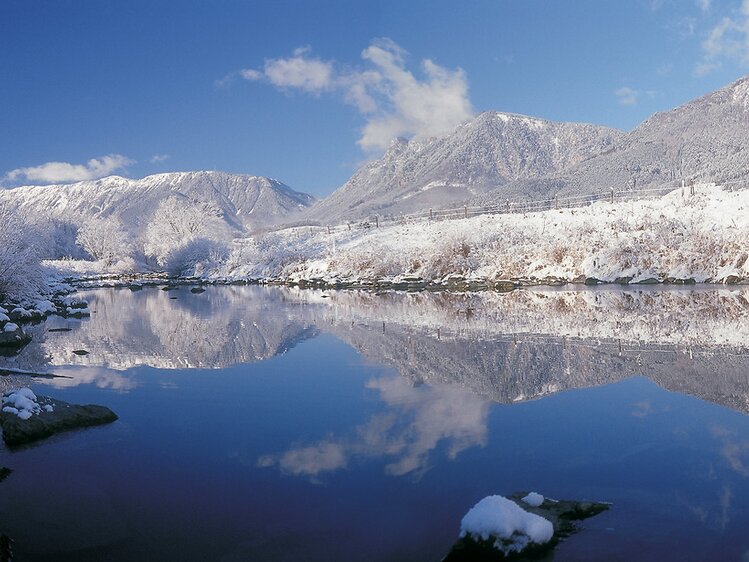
(377, 222)
(612, 195)
(465, 212)
(431, 214)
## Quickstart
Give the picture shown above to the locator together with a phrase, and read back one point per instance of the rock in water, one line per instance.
(4, 473)
(6, 548)
(12, 336)
(25, 418)
(197, 290)
(521, 527)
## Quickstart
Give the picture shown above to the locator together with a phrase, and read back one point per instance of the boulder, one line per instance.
(521, 527)
(25, 417)
(12, 337)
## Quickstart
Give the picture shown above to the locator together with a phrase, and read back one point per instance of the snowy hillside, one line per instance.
(242, 201)
(488, 151)
(706, 139)
(677, 237)
(497, 156)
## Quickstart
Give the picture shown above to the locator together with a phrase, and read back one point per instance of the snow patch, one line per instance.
(512, 527)
(23, 403)
(45, 307)
(534, 499)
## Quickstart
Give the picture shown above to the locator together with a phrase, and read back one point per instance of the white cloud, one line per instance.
(728, 39)
(52, 172)
(627, 96)
(394, 101)
(704, 5)
(158, 158)
(299, 71)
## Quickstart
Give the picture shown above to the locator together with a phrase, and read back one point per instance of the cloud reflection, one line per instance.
(417, 421)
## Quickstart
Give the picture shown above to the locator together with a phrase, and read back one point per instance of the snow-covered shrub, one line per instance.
(176, 224)
(21, 273)
(196, 257)
(104, 239)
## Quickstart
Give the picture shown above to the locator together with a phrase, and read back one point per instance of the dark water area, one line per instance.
(277, 424)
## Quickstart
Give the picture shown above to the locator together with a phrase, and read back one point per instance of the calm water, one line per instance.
(272, 424)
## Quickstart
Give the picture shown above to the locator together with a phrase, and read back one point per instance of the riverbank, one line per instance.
(683, 237)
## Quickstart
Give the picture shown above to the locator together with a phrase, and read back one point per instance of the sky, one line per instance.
(307, 91)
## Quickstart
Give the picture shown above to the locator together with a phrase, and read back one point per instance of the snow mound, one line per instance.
(510, 525)
(45, 307)
(10, 327)
(23, 403)
(533, 499)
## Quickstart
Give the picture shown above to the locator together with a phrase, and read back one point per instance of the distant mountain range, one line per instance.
(244, 201)
(496, 156)
(492, 157)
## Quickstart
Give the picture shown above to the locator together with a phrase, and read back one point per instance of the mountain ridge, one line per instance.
(704, 139)
(245, 201)
(493, 148)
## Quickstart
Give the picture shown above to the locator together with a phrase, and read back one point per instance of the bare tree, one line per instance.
(178, 223)
(104, 239)
(20, 266)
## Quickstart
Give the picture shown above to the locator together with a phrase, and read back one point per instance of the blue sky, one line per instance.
(281, 88)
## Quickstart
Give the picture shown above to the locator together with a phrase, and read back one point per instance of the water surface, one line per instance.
(277, 424)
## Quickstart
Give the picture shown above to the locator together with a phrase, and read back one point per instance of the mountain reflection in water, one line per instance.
(503, 347)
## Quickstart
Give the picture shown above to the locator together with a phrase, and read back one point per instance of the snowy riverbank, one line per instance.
(679, 237)
(682, 237)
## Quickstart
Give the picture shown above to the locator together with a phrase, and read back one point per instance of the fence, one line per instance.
(509, 206)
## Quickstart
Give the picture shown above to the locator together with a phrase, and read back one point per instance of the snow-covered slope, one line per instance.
(706, 139)
(499, 156)
(244, 201)
(679, 236)
(484, 153)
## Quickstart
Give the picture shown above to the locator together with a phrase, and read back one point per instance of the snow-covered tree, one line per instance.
(20, 267)
(104, 239)
(183, 231)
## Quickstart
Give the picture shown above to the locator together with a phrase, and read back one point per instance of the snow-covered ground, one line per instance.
(681, 236)
(700, 237)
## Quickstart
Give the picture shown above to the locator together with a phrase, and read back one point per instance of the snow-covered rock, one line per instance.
(22, 402)
(533, 499)
(510, 527)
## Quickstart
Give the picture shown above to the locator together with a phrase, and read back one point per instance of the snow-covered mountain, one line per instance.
(243, 201)
(706, 139)
(497, 156)
(478, 156)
